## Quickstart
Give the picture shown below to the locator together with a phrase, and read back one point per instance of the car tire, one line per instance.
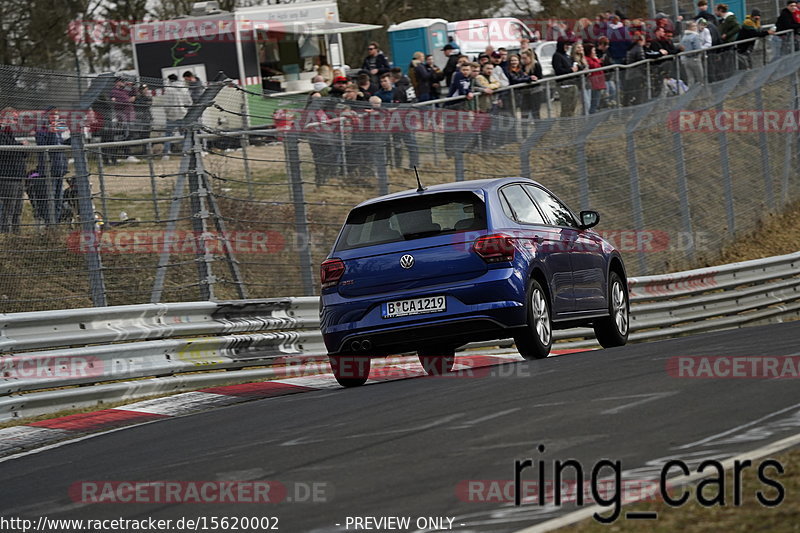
(350, 371)
(613, 330)
(536, 338)
(437, 361)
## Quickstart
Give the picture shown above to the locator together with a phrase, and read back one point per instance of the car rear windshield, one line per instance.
(413, 218)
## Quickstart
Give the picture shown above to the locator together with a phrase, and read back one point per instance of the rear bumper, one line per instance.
(479, 310)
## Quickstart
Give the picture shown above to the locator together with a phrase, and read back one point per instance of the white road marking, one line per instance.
(737, 428)
(645, 399)
(577, 516)
(470, 423)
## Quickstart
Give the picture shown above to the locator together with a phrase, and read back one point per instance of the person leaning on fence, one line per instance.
(176, 102)
(729, 29)
(54, 167)
(12, 174)
(317, 131)
(751, 27)
(531, 96)
(692, 64)
(635, 77)
(788, 21)
(567, 90)
(578, 57)
(597, 80)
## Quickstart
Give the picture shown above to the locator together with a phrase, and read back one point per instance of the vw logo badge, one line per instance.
(407, 261)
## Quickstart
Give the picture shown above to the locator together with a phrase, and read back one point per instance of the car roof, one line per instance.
(472, 185)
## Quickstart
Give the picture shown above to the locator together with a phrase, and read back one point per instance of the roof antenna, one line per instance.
(420, 188)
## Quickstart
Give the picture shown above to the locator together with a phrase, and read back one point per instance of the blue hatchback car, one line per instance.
(430, 270)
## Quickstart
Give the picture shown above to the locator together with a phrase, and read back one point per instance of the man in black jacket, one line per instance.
(567, 90)
(704, 13)
(375, 63)
(786, 21)
(450, 68)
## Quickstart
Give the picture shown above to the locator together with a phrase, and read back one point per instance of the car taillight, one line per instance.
(330, 272)
(495, 248)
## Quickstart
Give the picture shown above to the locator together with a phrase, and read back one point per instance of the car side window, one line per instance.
(522, 205)
(553, 209)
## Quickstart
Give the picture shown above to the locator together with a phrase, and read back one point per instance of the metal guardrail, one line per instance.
(171, 343)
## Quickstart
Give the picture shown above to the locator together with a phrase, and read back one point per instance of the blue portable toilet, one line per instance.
(418, 35)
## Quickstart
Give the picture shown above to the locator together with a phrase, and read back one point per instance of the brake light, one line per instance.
(495, 248)
(330, 272)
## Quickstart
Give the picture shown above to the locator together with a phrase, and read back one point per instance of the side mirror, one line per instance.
(589, 219)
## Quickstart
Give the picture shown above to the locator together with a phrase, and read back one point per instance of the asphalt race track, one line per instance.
(406, 448)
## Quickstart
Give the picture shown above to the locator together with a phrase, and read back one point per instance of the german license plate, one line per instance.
(414, 306)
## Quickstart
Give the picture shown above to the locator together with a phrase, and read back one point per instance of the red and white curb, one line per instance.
(42, 433)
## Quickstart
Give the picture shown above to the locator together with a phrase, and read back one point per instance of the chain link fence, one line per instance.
(106, 198)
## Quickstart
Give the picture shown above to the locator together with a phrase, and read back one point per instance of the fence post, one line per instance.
(763, 146)
(153, 186)
(94, 264)
(290, 144)
(458, 157)
(583, 169)
(198, 194)
(247, 175)
(633, 171)
(790, 144)
(726, 176)
(540, 128)
(187, 166)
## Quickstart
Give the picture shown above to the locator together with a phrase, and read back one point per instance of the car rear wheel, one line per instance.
(350, 371)
(535, 340)
(613, 330)
(437, 361)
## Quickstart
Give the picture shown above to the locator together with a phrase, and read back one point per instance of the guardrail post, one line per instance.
(769, 192)
(291, 147)
(726, 176)
(618, 88)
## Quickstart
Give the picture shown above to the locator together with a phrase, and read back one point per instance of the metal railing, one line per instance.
(170, 343)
